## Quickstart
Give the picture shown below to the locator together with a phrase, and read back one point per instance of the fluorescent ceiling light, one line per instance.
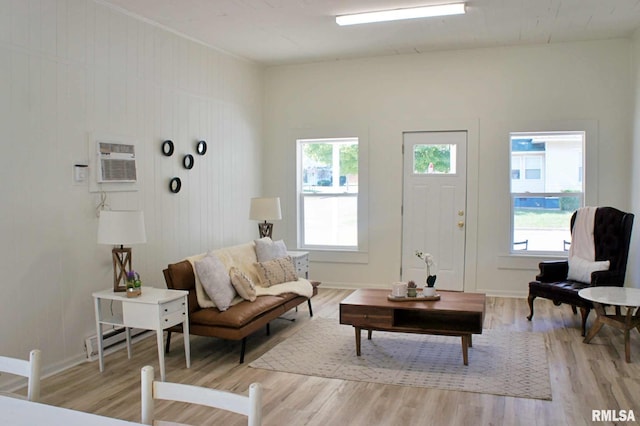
(397, 14)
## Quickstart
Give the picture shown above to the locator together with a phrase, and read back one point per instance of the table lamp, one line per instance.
(264, 209)
(119, 228)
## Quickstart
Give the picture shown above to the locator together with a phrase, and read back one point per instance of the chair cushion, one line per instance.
(580, 269)
(561, 292)
(237, 315)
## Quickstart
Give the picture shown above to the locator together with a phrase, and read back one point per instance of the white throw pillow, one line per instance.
(580, 269)
(216, 281)
(266, 249)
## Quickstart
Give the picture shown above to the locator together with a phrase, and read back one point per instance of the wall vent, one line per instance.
(116, 162)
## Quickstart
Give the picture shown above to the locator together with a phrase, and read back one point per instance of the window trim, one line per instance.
(340, 254)
(302, 195)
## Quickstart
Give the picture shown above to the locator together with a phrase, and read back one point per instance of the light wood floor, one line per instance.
(583, 377)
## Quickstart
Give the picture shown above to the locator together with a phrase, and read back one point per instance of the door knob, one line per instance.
(460, 224)
(460, 212)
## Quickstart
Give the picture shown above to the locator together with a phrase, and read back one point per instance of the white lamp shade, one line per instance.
(121, 227)
(265, 208)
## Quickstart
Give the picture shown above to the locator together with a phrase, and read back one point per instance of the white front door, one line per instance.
(434, 206)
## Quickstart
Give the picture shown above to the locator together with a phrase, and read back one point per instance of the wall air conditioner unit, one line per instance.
(116, 162)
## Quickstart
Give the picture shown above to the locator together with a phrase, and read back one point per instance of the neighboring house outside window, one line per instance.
(328, 193)
(546, 188)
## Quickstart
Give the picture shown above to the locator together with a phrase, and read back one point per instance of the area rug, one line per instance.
(500, 362)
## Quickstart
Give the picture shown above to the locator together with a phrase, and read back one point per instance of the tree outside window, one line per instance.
(434, 158)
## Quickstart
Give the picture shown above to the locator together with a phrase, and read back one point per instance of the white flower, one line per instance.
(428, 260)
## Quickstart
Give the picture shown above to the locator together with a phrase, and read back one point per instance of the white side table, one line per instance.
(301, 262)
(155, 309)
(618, 297)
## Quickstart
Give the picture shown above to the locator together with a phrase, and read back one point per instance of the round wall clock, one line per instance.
(201, 147)
(175, 184)
(187, 161)
(167, 148)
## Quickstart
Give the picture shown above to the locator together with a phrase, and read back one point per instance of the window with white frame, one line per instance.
(328, 193)
(546, 188)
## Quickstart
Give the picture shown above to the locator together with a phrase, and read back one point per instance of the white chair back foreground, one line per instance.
(29, 369)
(250, 406)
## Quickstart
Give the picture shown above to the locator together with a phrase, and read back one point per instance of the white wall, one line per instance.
(73, 68)
(633, 270)
(498, 89)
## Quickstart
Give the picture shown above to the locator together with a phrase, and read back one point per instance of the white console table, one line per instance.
(155, 309)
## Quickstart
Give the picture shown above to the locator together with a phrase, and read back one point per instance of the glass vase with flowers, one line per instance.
(134, 284)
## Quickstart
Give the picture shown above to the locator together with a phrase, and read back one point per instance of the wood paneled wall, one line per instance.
(74, 69)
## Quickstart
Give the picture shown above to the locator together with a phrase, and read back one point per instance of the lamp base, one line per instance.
(265, 229)
(121, 264)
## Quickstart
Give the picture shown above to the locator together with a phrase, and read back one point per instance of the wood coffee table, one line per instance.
(455, 314)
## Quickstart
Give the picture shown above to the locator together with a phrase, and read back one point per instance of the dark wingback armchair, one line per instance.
(611, 234)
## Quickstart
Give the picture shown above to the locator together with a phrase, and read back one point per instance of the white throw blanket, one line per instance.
(302, 287)
(582, 253)
(582, 244)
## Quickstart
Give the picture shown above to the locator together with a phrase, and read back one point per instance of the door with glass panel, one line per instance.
(434, 206)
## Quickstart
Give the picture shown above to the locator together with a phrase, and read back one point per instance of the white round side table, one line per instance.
(618, 297)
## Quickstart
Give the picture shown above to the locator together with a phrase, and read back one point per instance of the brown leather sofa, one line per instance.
(612, 235)
(237, 322)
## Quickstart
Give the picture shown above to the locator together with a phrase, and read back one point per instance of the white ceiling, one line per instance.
(274, 32)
